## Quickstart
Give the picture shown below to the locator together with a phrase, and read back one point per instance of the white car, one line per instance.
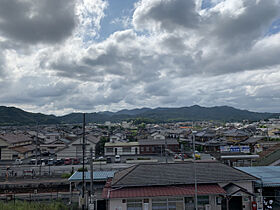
(117, 159)
(18, 162)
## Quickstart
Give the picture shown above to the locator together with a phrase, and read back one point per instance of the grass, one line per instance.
(24, 205)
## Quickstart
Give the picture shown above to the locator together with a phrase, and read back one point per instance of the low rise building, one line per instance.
(121, 148)
(172, 186)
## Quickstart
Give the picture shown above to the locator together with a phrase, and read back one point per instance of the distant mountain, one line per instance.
(15, 116)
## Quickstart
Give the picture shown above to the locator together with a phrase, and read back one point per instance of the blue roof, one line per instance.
(97, 175)
(270, 175)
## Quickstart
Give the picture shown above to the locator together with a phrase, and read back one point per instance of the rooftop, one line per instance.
(15, 138)
(156, 191)
(97, 176)
(268, 174)
(155, 174)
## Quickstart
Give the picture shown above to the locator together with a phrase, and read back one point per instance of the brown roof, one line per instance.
(155, 191)
(15, 138)
(23, 149)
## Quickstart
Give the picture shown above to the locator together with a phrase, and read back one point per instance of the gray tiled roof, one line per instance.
(157, 141)
(178, 173)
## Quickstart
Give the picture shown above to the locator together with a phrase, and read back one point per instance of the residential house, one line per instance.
(157, 146)
(121, 148)
(205, 135)
(156, 186)
(117, 137)
(235, 136)
(75, 148)
(12, 144)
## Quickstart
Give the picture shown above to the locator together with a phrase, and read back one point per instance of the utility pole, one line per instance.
(91, 205)
(83, 182)
(194, 166)
(165, 149)
(36, 149)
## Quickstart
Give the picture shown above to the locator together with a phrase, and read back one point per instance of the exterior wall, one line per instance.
(75, 150)
(69, 152)
(3, 143)
(158, 136)
(118, 204)
(7, 154)
(157, 149)
(23, 143)
(121, 152)
(246, 199)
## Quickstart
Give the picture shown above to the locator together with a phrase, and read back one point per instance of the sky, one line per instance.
(63, 56)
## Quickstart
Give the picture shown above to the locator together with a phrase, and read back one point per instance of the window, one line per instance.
(167, 204)
(134, 204)
(147, 149)
(159, 204)
(189, 203)
(142, 149)
(127, 149)
(109, 149)
(203, 199)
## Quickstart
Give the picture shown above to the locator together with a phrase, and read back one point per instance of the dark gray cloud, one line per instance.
(239, 32)
(32, 21)
(169, 15)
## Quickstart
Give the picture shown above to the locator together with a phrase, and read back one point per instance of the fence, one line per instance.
(64, 197)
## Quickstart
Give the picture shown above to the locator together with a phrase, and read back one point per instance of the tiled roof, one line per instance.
(178, 173)
(14, 138)
(179, 190)
(158, 141)
(23, 149)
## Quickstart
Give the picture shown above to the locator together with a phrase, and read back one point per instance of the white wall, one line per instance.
(116, 204)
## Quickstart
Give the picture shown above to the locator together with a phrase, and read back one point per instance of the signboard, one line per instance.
(233, 149)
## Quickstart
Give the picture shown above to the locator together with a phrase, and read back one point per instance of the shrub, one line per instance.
(81, 169)
(65, 175)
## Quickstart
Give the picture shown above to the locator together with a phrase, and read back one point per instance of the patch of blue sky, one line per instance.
(274, 28)
(117, 15)
(206, 4)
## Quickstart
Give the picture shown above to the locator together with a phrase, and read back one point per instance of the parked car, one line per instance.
(59, 162)
(67, 161)
(18, 162)
(117, 159)
(75, 161)
(43, 162)
(32, 162)
(51, 162)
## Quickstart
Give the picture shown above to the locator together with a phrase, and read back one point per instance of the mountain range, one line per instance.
(16, 116)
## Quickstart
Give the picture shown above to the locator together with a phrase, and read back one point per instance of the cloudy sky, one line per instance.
(62, 56)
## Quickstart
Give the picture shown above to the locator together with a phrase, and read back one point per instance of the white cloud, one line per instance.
(172, 55)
